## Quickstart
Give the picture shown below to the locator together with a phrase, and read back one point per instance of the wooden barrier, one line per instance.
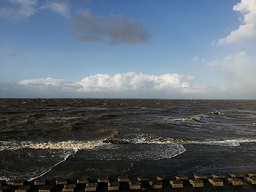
(124, 183)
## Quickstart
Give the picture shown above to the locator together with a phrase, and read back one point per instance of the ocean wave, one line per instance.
(194, 118)
(227, 142)
(140, 139)
(137, 152)
(62, 145)
(154, 139)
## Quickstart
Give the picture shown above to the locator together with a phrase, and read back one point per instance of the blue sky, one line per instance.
(198, 49)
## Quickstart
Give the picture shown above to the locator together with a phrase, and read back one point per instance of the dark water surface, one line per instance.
(112, 137)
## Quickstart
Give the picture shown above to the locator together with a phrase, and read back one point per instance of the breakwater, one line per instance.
(232, 181)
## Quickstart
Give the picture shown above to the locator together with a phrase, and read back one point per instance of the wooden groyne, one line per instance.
(198, 181)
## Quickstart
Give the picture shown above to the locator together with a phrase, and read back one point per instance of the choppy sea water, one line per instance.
(111, 137)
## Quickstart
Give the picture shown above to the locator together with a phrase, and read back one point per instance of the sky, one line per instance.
(170, 49)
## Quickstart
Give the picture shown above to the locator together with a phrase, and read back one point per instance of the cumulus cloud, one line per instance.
(130, 84)
(134, 81)
(247, 30)
(19, 9)
(239, 70)
(89, 27)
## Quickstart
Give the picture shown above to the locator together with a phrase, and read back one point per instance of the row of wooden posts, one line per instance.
(198, 181)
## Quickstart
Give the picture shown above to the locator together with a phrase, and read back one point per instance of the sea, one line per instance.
(71, 138)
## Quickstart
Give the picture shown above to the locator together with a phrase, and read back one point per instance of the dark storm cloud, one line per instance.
(89, 27)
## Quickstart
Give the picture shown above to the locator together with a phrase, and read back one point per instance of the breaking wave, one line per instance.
(62, 145)
(154, 139)
(228, 142)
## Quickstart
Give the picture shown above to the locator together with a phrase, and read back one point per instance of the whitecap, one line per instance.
(61, 145)
(227, 142)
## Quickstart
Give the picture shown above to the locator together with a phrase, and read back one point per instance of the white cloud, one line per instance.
(247, 30)
(120, 85)
(240, 72)
(134, 81)
(46, 84)
(19, 9)
(60, 8)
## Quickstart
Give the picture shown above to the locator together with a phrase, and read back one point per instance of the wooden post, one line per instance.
(23, 189)
(236, 175)
(216, 182)
(61, 181)
(46, 188)
(142, 179)
(113, 186)
(181, 177)
(91, 187)
(156, 184)
(196, 182)
(103, 180)
(251, 174)
(218, 176)
(18, 183)
(69, 188)
(251, 180)
(82, 180)
(235, 181)
(162, 178)
(199, 176)
(135, 185)
(176, 184)
(39, 182)
(123, 179)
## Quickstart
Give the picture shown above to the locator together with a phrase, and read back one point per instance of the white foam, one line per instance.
(62, 145)
(228, 142)
(145, 139)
